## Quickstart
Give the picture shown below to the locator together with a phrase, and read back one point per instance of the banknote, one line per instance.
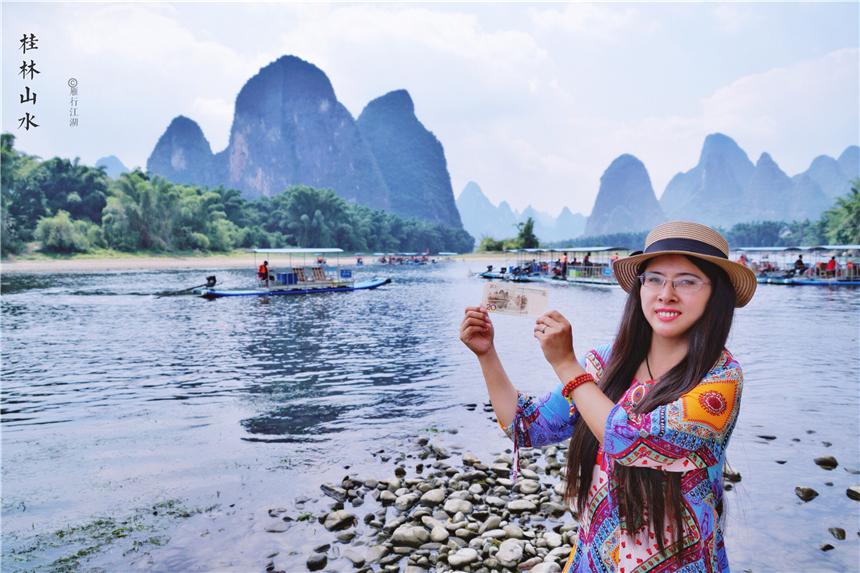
(507, 298)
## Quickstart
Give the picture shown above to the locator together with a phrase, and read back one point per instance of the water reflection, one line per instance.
(111, 395)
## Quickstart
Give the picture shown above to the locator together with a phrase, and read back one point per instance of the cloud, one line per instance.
(607, 23)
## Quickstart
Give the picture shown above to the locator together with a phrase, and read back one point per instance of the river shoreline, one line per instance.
(235, 260)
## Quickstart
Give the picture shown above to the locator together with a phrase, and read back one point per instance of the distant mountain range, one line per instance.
(481, 218)
(289, 128)
(724, 188)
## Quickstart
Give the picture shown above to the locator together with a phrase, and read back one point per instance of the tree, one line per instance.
(526, 237)
(842, 221)
(60, 234)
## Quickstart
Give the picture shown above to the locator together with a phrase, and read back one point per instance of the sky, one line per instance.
(532, 101)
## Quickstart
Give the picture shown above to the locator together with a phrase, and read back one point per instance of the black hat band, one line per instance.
(689, 245)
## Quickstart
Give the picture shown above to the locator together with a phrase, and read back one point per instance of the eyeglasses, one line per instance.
(686, 285)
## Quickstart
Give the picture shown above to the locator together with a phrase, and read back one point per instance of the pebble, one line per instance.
(837, 532)
(340, 519)
(853, 492)
(356, 559)
(453, 506)
(528, 486)
(463, 557)
(826, 462)
(433, 497)
(806, 493)
(492, 522)
(510, 553)
(521, 506)
(406, 501)
(334, 492)
(410, 536)
(317, 562)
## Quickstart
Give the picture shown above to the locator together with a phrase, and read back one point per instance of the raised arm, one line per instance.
(476, 332)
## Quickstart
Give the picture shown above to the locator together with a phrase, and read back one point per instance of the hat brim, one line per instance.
(743, 279)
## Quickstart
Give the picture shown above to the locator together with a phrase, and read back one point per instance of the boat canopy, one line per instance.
(447, 254)
(815, 248)
(298, 251)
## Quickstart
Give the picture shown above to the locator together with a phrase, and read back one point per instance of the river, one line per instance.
(147, 433)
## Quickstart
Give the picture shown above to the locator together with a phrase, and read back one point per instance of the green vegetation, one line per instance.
(72, 208)
(525, 239)
(70, 546)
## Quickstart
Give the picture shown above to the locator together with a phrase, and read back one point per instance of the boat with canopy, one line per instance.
(825, 265)
(299, 278)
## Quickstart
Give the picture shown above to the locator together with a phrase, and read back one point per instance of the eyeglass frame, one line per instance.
(701, 284)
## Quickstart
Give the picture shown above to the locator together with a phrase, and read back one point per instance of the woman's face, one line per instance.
(672, 309)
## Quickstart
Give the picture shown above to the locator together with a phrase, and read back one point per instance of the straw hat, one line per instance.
(693, 239)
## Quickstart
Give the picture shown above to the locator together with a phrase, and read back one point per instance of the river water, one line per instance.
(146, 433)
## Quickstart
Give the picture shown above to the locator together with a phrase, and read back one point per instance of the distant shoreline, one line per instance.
(234, 260)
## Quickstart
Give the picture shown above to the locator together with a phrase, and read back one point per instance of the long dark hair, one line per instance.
(643, 491)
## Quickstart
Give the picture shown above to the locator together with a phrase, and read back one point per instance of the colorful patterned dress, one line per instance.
(689, 435)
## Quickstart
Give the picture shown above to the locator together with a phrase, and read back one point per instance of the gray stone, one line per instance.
(528, 486)
(494, 534)
(552, 539)
(494, 501)
(510, 553)
(340, 519)
(406, 501)
(492, 522)
(356, 558)
(453, 506)
(853, 492)
(513, 531)
(433, 497)
(521, 506)
(463, 557)
(806, 493)
(376, 553)
(502, 470)
(334, 492)
(439, 534)
(410, 536)
(387, 497)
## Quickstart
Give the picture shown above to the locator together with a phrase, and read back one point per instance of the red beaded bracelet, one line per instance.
(568, 389)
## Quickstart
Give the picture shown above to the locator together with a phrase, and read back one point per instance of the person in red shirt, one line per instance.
(263, 272)
(830, 269)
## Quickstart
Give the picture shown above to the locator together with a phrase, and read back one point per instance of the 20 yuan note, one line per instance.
(506, 298)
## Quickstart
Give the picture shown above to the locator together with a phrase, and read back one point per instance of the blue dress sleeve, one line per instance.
(551, 418)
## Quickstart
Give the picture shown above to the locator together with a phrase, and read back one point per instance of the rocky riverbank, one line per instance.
(449, 517)
(440, 513)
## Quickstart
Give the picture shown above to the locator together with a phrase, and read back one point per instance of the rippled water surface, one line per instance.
(118, 407)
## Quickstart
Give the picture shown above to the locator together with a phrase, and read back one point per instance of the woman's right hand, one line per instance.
(476, 330)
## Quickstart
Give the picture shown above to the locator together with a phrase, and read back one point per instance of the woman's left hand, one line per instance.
(555, 335)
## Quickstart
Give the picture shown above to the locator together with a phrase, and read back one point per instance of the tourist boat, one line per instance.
(598, 271)
(298, 279)
(524, 271)
(775, 265)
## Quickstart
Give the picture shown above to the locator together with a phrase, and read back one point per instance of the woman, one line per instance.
(649, 417)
